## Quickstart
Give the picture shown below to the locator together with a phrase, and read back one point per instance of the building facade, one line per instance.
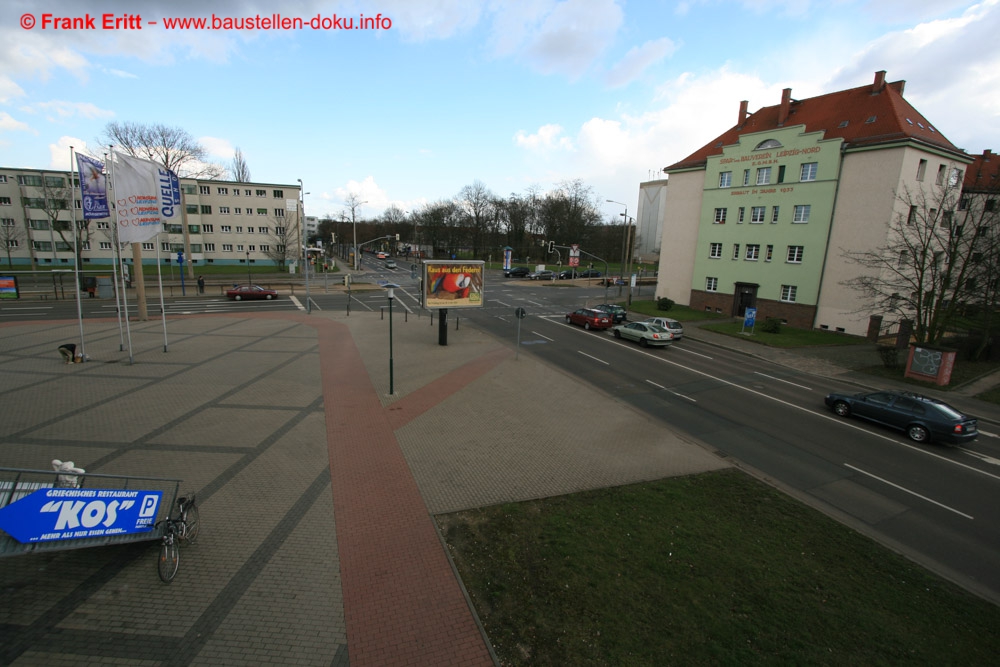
(768, 213)
(224, 223)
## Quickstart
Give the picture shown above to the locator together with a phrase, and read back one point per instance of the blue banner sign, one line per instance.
(750, 316)
(65, 514)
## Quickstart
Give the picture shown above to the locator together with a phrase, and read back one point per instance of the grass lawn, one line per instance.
(710, 569)
(788, 337)
(679, 313)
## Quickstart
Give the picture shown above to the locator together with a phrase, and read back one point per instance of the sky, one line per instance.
(433, 95)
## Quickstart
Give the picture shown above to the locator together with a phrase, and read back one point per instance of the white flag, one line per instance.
(146, 196)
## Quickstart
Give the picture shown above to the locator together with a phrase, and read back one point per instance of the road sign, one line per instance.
(63, 514)
(749, 317)
(520, 312)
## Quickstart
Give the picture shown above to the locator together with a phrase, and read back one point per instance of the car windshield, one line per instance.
(656, 328)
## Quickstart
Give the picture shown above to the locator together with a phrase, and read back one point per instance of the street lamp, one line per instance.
(390, 287)
(249, 282)
(354, 222)
(625, 238)
(302, 236)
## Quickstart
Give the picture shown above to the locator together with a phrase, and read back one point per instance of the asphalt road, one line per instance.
(934, 503)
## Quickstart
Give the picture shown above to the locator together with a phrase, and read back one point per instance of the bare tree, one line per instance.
(282, 243)
(922, 273)
(239, 169)
(10, 236)
(58, 196)
(172, 147)
(477, 202)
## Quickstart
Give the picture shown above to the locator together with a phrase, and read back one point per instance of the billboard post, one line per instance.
(452, 284)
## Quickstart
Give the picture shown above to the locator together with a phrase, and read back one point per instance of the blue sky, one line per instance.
(517, 95)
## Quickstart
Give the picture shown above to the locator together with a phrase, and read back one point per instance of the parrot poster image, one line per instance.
(453, 284)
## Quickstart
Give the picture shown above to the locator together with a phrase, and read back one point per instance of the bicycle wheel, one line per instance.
(170, 560)
(191, 520)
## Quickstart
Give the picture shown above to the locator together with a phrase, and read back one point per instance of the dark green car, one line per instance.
(617, 313)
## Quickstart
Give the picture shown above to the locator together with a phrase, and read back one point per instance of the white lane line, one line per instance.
(912, 493)
(697, 354)
(295, 300)
(771, 377)
(535, 303)
(541, 336)
(988, 434)
(671, 391)
(594, 358)
(982, 457)
(505, 305)
(502, 319)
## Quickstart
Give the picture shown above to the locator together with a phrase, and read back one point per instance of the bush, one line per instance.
(889, 355)
(771, 325)
(664, 303)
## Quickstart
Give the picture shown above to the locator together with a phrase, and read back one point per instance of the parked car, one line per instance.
(589, 318)
(545, 274)
(242, 292)
(644, 333)
(922, 418)
(568, 274)
(673, 326)
(516, 272)
(617, 313)
(589, 273)
(380, 255)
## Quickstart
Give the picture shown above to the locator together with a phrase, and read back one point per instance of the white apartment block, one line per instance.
(224, 223)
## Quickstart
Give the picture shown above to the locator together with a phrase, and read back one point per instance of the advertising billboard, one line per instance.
(453, 284)
(8, 287)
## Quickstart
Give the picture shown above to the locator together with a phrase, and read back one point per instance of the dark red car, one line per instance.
(242, 292)
(589, 318)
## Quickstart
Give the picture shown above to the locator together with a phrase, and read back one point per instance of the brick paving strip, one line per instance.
(403, 604)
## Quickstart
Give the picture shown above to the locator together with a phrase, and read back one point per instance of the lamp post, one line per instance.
(354, 222)
(390, 287)
(624, 238)
(305, 253)
(249, 282)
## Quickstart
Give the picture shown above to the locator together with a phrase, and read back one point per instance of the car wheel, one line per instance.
(642, 342)
(842, 409)
(568, 320)
(618, 334)
(238, 297)
(916, 433)
(269, 297)
(586, 325)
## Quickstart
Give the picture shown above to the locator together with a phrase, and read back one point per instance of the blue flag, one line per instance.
(93, 188)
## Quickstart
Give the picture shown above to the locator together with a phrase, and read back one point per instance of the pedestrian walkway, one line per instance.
(318, 487)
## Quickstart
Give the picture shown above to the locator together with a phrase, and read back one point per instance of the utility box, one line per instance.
(930, 364)
(105, 288)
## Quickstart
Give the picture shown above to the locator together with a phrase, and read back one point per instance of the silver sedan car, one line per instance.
(671, 325)
(644, 333)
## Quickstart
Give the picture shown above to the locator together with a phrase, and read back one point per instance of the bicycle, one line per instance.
(180, 529)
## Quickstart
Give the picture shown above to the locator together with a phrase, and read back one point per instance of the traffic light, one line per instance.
(552, 246)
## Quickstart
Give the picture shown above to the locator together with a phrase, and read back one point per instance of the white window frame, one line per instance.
(720, 216)
(763, 175)
(715, 251)
(794, 254)
(736, 251)
(725, 179)
(711, 284)
(752, 253)
(801, 213)
(788, 293)
(756, 219)
(807, 172)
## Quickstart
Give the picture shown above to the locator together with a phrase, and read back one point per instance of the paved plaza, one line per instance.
(317, 487)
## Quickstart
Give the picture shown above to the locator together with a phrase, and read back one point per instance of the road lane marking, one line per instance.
(541, 336)
(295, 300)
(770, 377)
(594, 358)
(535, 303)
(912, 493)
(697, 354)
(982, 457)
(505, 305)
(671, 391)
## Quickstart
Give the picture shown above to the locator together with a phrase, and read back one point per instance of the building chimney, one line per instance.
(879, 82)
(786, 101)
(743, 112)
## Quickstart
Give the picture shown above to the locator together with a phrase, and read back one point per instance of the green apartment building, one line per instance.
(763, 215)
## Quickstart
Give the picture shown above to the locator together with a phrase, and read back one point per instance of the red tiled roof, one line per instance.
(894, 120)
(983, 175)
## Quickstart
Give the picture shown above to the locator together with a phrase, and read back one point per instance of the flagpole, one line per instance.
(159, 281)
(76, 250)
(118, 258)
(110, 167)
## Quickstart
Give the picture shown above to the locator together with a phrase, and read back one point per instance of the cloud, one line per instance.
(59, 152)
(556, 37)
(547, 138)
(10, 124)
(120, 74)
(57, 110)
(422, 21)
(218, 148)
(638, 59)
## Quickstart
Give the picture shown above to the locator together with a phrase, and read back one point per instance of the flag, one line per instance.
(93, 188)
(146, 196)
